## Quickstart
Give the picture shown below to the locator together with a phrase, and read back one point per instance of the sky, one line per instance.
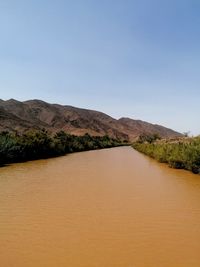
(127, 58)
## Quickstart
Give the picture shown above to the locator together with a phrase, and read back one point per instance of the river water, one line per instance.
(105, 208)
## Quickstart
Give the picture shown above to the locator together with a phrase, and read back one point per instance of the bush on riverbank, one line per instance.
(182, 153)
(33, 145)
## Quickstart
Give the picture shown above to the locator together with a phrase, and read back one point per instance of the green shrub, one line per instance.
(180, 154)
(40, 144)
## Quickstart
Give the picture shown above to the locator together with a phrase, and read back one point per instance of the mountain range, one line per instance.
(37, 114)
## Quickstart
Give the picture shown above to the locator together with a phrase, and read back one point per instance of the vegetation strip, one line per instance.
(15, 147)
(181, 153)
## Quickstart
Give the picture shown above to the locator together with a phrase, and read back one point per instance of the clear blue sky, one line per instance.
(133, 58)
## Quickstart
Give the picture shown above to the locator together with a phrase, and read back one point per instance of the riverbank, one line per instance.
(34, 145)
(182, 153)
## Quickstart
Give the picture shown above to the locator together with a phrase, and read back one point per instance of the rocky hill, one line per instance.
(37, 114)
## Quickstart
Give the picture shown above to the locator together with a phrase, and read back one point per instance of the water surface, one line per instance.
(105, 208)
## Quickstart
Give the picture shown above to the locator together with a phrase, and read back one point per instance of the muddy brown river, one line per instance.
(105, 208)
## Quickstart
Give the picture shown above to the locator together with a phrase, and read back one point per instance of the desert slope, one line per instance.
(37, 114)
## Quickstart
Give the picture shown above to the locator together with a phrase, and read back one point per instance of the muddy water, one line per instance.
(107, 208)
